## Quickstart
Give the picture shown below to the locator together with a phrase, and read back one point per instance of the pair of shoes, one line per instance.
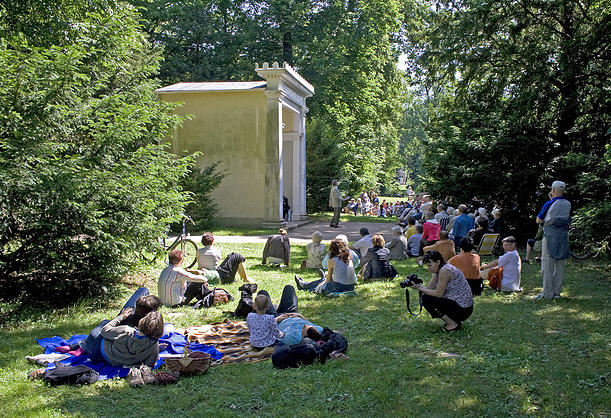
(298, 283)
(456, 328)
(321, 273)
(135, 377)
(539, 296)
(147, 375)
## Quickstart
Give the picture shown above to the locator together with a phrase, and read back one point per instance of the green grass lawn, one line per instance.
(515, 356)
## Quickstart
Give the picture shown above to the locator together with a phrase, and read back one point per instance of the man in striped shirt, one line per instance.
(177, 286)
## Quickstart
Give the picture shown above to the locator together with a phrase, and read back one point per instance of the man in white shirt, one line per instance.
(362, 245)
(208, 258)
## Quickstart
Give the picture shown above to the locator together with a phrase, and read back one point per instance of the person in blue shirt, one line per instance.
(462, 225)
(555, 215)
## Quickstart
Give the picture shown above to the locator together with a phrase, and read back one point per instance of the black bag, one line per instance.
(295, 355)
(63, 374)
(208, 297)
(333, 341)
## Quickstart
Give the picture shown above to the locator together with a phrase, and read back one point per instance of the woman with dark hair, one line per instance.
(376, 263)
(448, 295)
(340, 273)
(469, 264)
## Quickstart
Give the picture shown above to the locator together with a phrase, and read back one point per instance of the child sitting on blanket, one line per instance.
(263, 329)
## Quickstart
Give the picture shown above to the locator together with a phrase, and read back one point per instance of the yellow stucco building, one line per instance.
(256, 130)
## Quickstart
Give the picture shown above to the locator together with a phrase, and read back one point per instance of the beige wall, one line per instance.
(229, 127)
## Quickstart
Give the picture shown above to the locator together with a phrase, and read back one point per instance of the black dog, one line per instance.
(245, 305)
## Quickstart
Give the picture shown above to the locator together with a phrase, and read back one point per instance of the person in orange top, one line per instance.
(445, 246)
(469, 264)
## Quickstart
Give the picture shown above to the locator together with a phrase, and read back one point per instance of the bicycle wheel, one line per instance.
(578, 244)
(189, 249)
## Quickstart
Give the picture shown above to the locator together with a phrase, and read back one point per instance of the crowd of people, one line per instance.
(443, 239)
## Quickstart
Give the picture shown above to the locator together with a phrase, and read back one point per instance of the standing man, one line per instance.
(556, 218)
(335, 201)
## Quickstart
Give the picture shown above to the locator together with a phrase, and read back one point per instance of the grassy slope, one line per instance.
(515, 356)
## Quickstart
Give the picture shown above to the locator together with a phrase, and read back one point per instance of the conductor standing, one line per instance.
(335, 201)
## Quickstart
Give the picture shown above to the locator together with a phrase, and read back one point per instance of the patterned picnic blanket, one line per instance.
(231, 338)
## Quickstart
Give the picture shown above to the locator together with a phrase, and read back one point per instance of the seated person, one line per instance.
(445, 246)
(263, 328)
(430, 231)
(413, 243)
(340, 273)
(469, 264)
(176, 286)
(480, 214)
(208, 258)
(277, 249)
(511, 264)
(477, 233)
(448, 295)
(398, 245)
(316, 251)
(356, 261)
(363, 244)
(122, 345)
(411, 228)
(352, 206)
(497, 224)
(376, 262)
(375, 210)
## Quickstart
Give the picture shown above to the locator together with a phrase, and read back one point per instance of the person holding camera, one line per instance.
(448, 295)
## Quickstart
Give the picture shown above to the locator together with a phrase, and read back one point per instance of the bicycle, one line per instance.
(578, 243)
(181, 242)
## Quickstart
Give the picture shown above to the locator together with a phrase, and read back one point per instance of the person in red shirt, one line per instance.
(430, 232)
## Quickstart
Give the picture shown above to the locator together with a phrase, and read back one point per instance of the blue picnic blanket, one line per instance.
(176, 345)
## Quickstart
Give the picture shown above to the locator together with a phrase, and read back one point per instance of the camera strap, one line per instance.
(407, 302)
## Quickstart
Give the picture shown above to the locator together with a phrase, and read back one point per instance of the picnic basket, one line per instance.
(191, 363)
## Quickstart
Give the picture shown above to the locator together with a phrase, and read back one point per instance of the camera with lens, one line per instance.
(410, 280)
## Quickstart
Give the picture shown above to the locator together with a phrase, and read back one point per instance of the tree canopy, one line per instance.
(84, 181)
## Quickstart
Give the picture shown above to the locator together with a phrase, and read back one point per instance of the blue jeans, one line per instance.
(131, 302)
(92, 344)
(329, 287)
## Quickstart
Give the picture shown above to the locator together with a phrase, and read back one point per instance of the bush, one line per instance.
(84, 182)
(200, 183)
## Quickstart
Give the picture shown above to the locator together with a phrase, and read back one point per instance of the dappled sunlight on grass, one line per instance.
(514, 356)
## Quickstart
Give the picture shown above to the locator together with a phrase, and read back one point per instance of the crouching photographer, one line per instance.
(448, 295)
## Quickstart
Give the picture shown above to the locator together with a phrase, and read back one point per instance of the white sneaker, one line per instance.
(540, 296)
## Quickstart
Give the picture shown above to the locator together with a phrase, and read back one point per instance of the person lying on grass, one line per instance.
(448, 295)
(122, 345)
(139, 305)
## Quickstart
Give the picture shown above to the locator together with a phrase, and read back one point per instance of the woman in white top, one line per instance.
(511, 264)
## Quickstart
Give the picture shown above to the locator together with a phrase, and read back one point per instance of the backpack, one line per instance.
(295, 355)
(495, 277)
(63, 374)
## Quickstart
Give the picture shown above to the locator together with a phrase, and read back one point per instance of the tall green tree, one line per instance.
(522, 93)
(84, 182)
